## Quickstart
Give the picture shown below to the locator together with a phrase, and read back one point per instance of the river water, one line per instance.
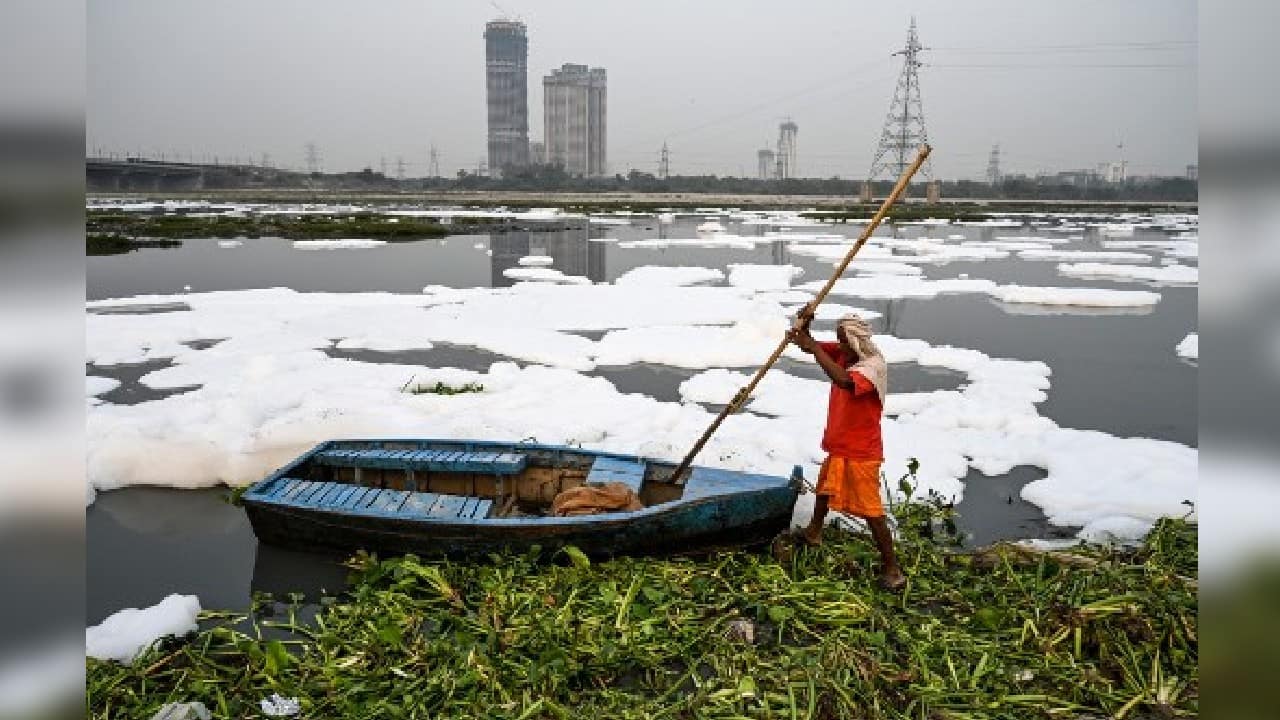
(1112, 371)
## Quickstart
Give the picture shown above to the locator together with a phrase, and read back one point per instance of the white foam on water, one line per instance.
(814, 238)
(1189, 347)
(1116, 230)
(544, 274)
(342, 244)
(711, 240)
(1173, 248)
(95, 385)
(743, 344)
(901, 286)
(230, 243)
(533, 260)
(535, 214)
(785, 297)
(834, 253)
(1007, 245)
(1083, 297)
(929, 250)
(268, 391)
(763, 277)
(1165, 275)
(835, 311)
(1030, 240)
(1083, 256)
(125, 634)
(663, 276)
(995, 222)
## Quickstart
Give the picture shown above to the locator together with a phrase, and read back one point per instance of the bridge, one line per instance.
(135, 174)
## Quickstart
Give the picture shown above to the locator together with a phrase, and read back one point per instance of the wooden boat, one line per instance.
(434, 497)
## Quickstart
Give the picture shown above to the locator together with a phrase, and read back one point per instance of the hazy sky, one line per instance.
(1058, 85)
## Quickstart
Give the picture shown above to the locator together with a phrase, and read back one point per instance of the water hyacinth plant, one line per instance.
(1004, 632)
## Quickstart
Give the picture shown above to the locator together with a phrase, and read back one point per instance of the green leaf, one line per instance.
(577, 557)
(277, 657)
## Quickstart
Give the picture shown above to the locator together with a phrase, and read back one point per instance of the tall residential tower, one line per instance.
(506, 79)
(575, 118)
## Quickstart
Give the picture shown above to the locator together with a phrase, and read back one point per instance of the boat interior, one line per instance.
(458, 481)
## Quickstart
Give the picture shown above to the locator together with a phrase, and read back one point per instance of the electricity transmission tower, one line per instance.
(993, 166)
(664, 165)
(399, 168)
(313, 158)
(904, 130)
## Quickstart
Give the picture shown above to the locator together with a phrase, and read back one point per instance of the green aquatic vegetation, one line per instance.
(110, 244)
(950, 211)
(1004, 632)
(293, 227)
(442, 388)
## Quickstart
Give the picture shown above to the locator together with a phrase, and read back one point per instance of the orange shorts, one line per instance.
(853, 486)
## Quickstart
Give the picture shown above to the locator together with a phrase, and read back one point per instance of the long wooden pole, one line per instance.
(744, 394)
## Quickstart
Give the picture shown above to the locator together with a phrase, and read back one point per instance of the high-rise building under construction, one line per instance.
(574, 119)
(506, 79)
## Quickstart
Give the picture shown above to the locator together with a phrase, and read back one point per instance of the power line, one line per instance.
(743, 112)
(1043, 66)
(1155, 46)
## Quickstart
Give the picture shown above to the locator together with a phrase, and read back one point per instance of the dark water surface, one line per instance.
(1116, 372)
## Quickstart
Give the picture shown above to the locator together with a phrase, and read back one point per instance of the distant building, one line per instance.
(1076, 178)
(1193, 172)
(765, 164)
(507, 84)
(1114, 172)
(575, 118)
(537, 152)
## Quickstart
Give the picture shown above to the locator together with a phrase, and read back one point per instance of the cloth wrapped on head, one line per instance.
(871, 363)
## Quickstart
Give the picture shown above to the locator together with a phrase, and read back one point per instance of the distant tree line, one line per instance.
(552, 178)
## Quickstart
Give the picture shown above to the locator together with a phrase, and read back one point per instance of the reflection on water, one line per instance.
(569, 250)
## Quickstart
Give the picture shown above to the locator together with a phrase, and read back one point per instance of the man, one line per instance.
(849, 481)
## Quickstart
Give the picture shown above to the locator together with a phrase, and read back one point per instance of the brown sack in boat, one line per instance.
(592, 499)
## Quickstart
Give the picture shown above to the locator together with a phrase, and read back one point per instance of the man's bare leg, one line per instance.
(813, 533)
(891, 576)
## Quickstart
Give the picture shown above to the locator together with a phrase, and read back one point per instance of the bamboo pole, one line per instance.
(744, 394)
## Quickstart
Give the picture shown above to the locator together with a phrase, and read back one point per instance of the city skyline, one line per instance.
(1057, 88)
(575, 113)
(507, 93)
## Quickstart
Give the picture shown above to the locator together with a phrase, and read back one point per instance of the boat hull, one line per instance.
(721, 509)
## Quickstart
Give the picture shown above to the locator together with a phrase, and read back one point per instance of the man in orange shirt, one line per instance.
(849, 481)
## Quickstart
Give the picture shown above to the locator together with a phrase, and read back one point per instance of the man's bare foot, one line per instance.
(892, 580)
(809, 536)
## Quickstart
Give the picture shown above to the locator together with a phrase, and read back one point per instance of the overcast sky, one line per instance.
(1058, 85)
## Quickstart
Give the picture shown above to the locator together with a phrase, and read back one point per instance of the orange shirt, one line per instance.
(853, 416)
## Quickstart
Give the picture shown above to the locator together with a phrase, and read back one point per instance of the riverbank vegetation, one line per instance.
(295, 227)
(1004, 632)
(113, 244)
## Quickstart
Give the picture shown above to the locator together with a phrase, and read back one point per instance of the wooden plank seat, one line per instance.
(627, 472)
(357, 498)
(489, 463)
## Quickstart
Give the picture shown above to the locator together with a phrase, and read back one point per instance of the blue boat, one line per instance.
(451, 497)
